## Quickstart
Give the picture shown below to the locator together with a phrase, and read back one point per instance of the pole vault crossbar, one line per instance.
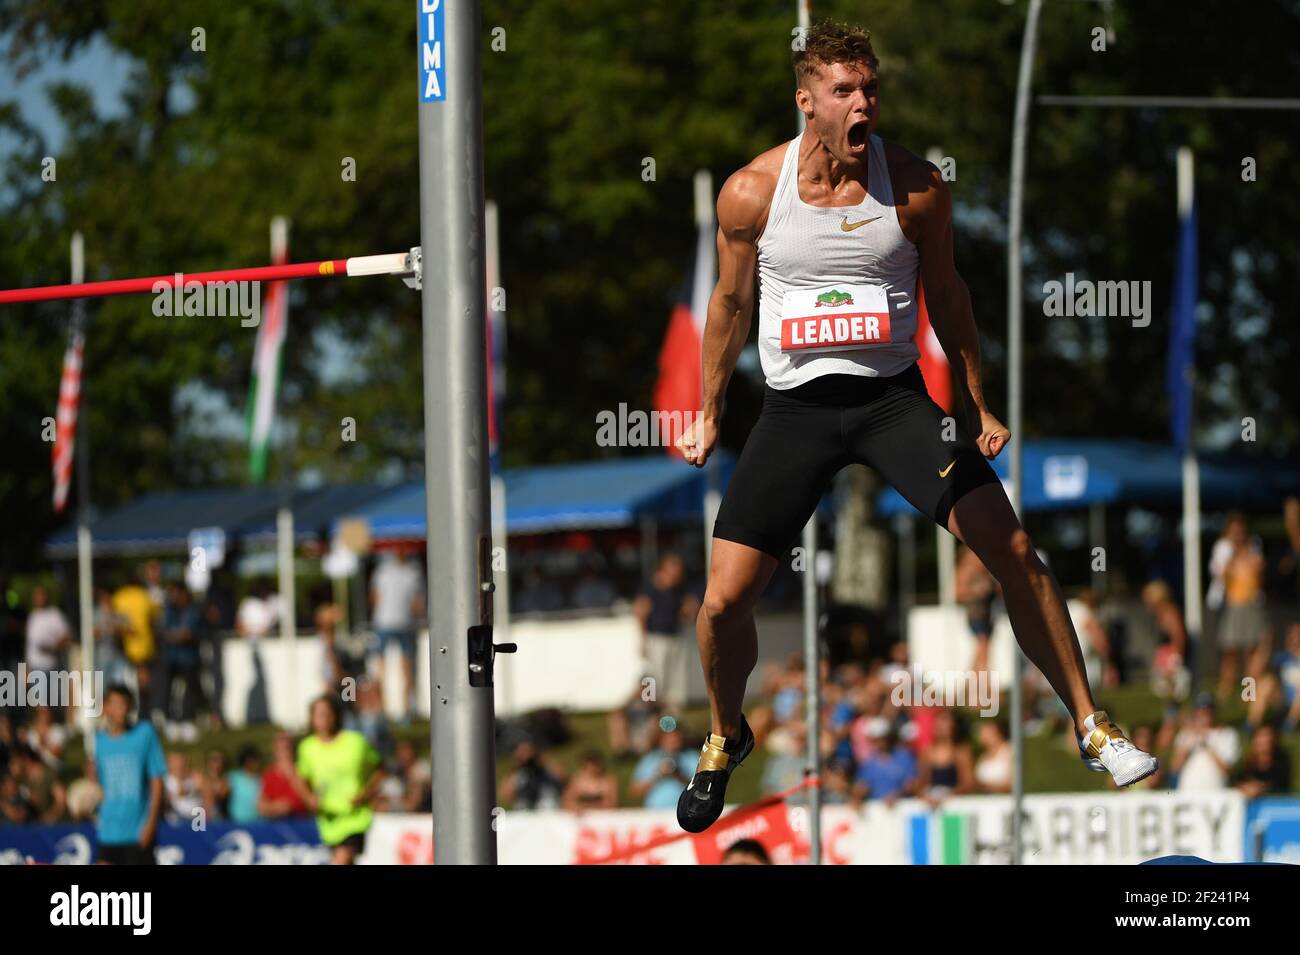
(405, 264)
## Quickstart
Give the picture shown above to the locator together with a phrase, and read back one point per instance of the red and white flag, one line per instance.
(65, 434)
(679, 387)
(934, 363)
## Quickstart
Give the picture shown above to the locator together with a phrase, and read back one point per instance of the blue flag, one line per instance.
(1181, 368)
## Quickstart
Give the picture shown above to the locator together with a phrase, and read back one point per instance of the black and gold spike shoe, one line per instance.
(701, 802)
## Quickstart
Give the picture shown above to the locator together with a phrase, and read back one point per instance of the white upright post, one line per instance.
(85, 566)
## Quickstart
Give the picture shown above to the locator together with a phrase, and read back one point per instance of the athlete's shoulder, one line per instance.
(747, 193)
(921, 196)
(911, 175)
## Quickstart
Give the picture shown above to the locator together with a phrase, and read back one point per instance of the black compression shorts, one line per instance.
(806, 434)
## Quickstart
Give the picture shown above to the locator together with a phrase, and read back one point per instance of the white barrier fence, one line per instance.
(585, 664)
(1116, 828)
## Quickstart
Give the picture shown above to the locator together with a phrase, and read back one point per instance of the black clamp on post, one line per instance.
(482, 651)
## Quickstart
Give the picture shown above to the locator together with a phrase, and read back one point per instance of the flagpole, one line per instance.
(706, 229)
(1015, 387)
(500, 527)
(811, 646)
(284, 517)
(81, 457)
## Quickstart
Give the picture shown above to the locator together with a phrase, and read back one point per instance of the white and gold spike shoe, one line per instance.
(1105, 748)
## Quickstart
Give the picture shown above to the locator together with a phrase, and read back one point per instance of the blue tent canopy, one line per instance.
(160, 523)
(616, 492)
(1077, 472)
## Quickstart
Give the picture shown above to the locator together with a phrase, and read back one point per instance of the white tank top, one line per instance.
(837, 286)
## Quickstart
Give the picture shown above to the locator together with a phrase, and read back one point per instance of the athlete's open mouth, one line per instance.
(858, 136)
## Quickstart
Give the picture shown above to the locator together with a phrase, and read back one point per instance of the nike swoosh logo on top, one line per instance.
(847, 226)
(944, 472)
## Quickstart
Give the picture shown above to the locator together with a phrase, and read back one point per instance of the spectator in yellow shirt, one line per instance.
(136, 606)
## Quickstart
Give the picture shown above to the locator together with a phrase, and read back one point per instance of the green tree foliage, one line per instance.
(214, 143)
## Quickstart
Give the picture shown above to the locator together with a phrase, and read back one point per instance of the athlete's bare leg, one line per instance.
(725, 628)
(984, 520)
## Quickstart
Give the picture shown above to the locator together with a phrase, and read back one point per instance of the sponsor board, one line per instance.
(289, 842)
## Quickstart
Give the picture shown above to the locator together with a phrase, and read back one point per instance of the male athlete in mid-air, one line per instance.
(838, 225)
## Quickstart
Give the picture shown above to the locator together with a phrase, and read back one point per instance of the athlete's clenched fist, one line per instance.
(697, 441)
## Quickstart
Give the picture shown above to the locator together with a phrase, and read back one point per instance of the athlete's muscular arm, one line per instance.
(742, 210)
(948, 302)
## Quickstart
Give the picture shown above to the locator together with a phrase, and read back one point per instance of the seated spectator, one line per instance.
(947, 768)
(890, 772)
(47, 738)
(8, 741)
(746, 852)
(663, 773)
(1280, 687)
(1205, 750)
(14, 808)
(40, 788)
(535, 782)
(592, 787)
(83, 799)
(182, 790)
(837, 783)
(788, 700)
(1267, 768)
(408, 785)
(993, 769)
(216, 787)
(279, 798)
(245, 787)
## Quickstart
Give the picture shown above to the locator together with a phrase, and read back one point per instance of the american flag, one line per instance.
(65, 434)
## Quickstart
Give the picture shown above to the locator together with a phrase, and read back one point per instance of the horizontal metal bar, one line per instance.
(1171, 102)
(398, 263)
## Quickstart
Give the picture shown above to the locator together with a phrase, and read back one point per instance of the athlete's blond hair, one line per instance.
(831, 41)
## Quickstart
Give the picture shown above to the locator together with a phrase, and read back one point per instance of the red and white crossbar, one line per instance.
(396, 263)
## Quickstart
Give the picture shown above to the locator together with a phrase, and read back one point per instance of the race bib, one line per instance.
(835, 317)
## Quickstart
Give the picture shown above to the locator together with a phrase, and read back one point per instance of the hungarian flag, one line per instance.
(934, 363)
(65, 433)
(271, 331)
(680, 384)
